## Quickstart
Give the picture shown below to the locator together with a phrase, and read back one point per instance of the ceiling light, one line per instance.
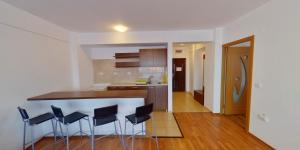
(120, 28)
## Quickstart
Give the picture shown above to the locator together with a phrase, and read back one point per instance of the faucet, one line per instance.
(150, 79)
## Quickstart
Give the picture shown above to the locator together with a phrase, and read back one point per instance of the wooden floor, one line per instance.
(166, 125)
(201, 131)
(184, 102)
(238, 119)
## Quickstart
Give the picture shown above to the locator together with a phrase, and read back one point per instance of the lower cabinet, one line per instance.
(158, 95)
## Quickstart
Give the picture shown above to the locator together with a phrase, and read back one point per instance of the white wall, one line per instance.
(208, 73)
(191, 71)
(86, 71)
(276, 68)
(34, 59)
(199, 50)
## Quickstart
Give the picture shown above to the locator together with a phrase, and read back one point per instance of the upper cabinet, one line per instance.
(126, 60)
(153, 57)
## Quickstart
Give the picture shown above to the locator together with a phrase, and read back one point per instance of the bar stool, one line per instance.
(141, 115)
(32, 122)
(69, 119)
(104, 116)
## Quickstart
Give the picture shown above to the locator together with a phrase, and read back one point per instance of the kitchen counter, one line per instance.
(125, 84)
(72, 95)
(86, 102)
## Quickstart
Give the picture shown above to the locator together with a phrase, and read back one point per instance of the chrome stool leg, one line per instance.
(132, 140)
(121, 135)
(93, 138)
(68, 146)
(142, 127)
(125, 131)
(154, 130)
(32, 137)
(24, 136)
(88, 120)
(80, 130)
(54, 130)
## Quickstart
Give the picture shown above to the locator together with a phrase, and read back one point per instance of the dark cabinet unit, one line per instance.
(153, 57)
(199, 96)
(146, 58)
(158, 95)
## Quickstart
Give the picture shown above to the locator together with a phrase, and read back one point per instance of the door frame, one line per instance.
(249, 86)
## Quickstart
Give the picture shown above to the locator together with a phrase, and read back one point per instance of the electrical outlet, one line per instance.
(263, 117)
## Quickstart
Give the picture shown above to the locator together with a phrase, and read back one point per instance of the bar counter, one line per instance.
(86, 102)
(73, 95)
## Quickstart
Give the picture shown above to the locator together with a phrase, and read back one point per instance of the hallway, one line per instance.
(184, 102)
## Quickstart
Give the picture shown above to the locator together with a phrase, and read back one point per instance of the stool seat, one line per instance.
(104, 120)
(73, 117)
(136, 120)
(41, 118)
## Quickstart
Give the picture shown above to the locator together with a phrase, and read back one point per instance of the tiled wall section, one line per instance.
(105, 72)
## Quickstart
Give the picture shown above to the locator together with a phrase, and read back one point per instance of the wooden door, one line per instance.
(179, 74)
(236, 80)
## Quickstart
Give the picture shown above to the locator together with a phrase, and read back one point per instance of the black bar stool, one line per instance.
(32, 122)
(69, 119)
(104, 116)
(142, 114)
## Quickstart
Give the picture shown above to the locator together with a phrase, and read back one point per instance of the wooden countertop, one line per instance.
(71, 95)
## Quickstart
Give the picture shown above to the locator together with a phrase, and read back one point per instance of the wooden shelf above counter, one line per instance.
(144, 58)
(127, 60)
(73, 95)
(126, 55)
(127, 64)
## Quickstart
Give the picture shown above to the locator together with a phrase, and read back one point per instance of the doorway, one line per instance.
(179, 74)
(188, 86)
(237, 80)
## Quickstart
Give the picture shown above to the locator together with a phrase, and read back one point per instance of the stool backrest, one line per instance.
(23, 113)
(57, 112)
(105, 111)
(144, 110)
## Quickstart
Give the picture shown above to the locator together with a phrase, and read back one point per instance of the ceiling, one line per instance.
(138, 15)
